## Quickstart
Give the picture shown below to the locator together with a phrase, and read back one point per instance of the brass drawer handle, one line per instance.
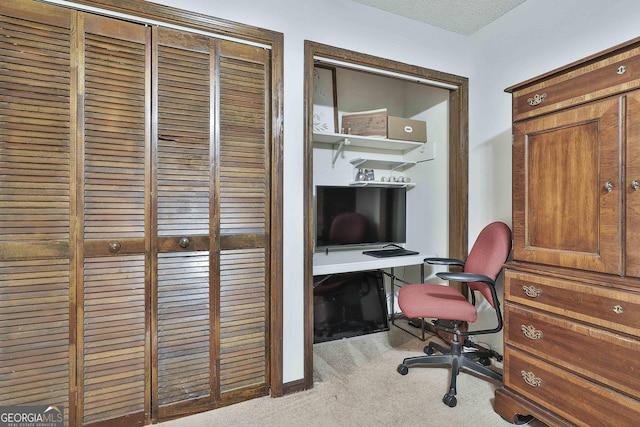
(531, 379)
(531, 332)
(618, 309)
(536, 99)
(621, 70)
(114, 247)
(531, 291)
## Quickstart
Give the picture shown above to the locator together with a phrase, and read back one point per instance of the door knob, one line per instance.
(184, 242)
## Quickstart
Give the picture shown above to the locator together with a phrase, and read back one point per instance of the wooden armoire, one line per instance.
(572, 291)
(139, 219)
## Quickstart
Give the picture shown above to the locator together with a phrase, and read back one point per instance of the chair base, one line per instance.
(476, 360)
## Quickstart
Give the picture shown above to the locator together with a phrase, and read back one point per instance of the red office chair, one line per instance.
(451, 309)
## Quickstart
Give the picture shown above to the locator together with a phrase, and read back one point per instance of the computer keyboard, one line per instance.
(385, 253)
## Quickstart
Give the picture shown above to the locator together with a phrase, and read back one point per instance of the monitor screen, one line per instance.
(360, 215)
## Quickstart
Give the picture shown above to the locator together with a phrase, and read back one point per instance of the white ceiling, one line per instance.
(460, 16)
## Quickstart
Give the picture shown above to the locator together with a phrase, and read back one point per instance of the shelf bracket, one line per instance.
(340, 150)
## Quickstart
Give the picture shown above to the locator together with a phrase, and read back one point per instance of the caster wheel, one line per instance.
(450, 400)
(428, 350)
(485, 361)
(403, 369)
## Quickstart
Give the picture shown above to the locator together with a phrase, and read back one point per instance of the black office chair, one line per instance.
(451, 309)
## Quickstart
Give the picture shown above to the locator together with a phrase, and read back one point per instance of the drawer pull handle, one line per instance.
(621, 70)
(618, 309)
(537, 99)
(114, 247)
(532, 291)
(531, 332)
(635, 184)
(531, 379)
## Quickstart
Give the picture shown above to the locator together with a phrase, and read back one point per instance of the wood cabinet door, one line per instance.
(567, 194)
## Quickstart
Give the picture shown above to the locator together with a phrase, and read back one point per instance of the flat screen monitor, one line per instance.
(360, 215)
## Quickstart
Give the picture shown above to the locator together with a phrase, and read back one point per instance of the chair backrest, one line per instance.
(488, 255)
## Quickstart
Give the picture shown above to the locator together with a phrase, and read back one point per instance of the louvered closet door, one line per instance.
(35, 194)
(210, 312)
(113, 350)
(182, 315)
(242, 210)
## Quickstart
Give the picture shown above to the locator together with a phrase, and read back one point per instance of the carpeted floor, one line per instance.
(356, 384)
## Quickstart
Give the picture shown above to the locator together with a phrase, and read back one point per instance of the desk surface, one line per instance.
(354, 260)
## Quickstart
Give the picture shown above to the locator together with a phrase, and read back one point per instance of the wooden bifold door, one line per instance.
(134, 217)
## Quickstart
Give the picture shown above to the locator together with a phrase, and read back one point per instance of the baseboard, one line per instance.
(293, 386)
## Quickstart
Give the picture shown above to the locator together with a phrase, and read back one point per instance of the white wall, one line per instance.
(344, 24)
(532, 39)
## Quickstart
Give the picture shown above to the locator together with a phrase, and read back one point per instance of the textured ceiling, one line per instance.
(460, 16)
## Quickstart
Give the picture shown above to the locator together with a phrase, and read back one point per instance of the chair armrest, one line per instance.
(444, 261)
(465, 277)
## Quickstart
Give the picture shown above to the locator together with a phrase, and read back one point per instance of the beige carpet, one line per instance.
(356, 384)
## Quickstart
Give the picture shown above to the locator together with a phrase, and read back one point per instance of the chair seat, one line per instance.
(432, 301)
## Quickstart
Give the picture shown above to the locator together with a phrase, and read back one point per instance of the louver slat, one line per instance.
(34, 206)
(244, 201)
(183, 199)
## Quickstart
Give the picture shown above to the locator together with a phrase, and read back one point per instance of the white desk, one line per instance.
(347, 261)
(354, 260)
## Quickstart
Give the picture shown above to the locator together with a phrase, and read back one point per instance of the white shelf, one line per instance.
(390, 165)
(381, 184)
(366, 141)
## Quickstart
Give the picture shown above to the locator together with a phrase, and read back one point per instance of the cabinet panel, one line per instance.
(574, 398)
(606, 307)
(589, 353)
(564, 211)
(587, 82)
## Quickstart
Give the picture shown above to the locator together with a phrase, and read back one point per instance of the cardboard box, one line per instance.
(407, 129)
(365, 123)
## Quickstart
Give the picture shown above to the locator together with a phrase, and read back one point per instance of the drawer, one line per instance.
(595, 353)
(610, 308)
(570, 396)
(607, 76)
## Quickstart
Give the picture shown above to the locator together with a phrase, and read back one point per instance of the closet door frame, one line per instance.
(458, 164)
